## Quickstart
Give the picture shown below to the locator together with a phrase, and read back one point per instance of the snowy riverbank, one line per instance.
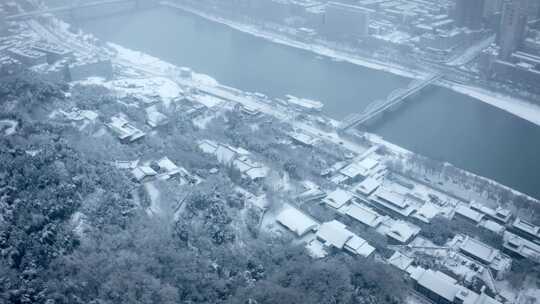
(518, 107)
(515, 106)
(159, 68)
(317, 49)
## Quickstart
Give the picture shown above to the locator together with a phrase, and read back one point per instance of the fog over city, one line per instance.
(270, 151)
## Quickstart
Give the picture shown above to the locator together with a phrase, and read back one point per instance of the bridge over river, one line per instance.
(79, 6)
(395, 99)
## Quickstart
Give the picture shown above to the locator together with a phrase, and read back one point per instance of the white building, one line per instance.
(526, 230)
(154, 118)
(363, 214)
(335, 234)
(392, 200)
(400, 261)
(498, 262)
(402, 232)
(168, 167)
(124, 130)
(239, 158)
(367, 186)
(142, 173)
(520, 246)
(296, 221)
(499, 214)
(338, 198)
(357, 171)
(441, 288)
(467, 213)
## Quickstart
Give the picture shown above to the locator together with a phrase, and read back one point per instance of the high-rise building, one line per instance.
(3, 24)
(470, 13)
(492, 7)
(492, 14)
(534, 9)
(513, 26)
(346, 21)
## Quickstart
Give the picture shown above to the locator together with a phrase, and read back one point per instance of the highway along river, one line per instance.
(440, 124)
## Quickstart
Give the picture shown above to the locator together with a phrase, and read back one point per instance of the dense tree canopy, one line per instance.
(73, 228)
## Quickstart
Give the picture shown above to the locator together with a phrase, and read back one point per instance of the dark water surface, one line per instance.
(440, 124)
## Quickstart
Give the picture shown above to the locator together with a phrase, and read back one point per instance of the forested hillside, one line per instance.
(73, 229)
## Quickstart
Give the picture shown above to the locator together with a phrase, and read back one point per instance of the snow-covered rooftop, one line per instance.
(359, 246)
(402, 231)
(367, 186)
(400, 261)
(479, 250)
(296, 221)
(438, 283)
(338, 198)
(334, 234)
(468, 213)
(364, 215)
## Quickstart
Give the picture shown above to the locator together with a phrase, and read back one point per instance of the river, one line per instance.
(440, 123)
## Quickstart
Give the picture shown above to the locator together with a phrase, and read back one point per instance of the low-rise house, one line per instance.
(193, 110)
(443, 289)
(311, 192)
(124, 130)
(143, 173)
(54, 53)
(358, 246)
(498, 262)
(90, 67)
(303, 139)
(338, 198)
(9, 66)
(339, 179)
(464, 212)
(168, 167)
(402, 232)
(353, 173)
(208, 146)
(400, 261)
(250, 169)
(78, 115)
(334, 234)
(333, 169)
(225, 154)
(239, 158)
(257, 173)
(518, 246)
(427, 212)
(250, 111)
(435, 285)
(357, 171)
(526, 230)
(367, 186)
(493, 226)
(363, 214)
(162, 169)
(28, 56)
(126, 164)
(155, 119)
(499, 214)
(296, 221)
(393, 201)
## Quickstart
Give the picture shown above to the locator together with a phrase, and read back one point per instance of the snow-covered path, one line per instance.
(515, 106)
(519, 107)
